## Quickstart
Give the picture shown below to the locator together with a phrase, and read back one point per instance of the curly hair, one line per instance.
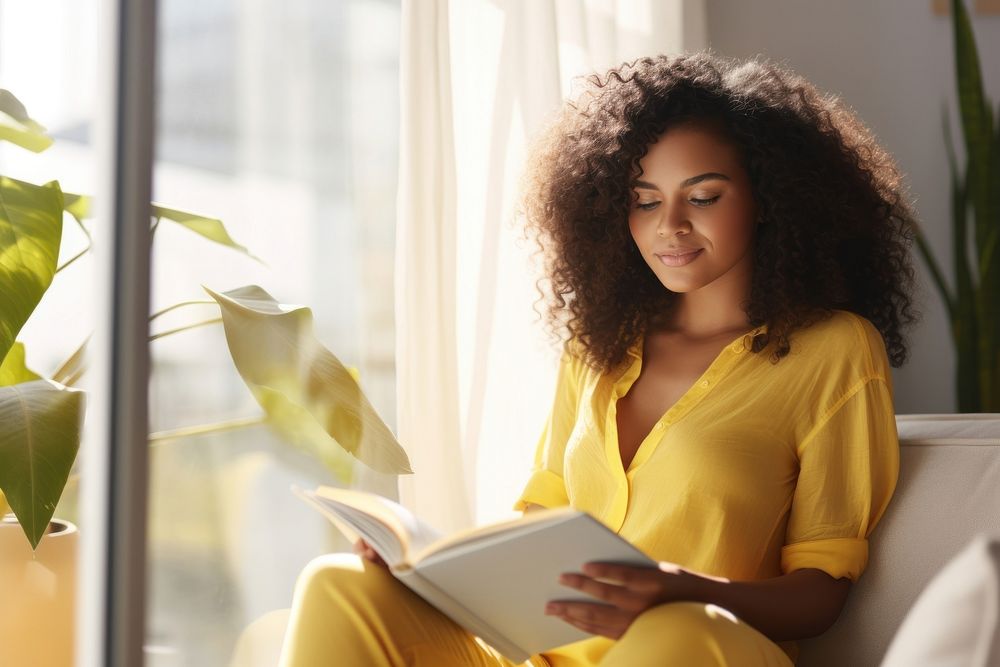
(835, 229)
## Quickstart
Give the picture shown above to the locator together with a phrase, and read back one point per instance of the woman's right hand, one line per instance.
(365, 550)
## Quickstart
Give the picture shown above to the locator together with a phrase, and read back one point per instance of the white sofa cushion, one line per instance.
(948, 492)
(956, 620)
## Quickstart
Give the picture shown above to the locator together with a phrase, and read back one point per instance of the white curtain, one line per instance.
(475, 372)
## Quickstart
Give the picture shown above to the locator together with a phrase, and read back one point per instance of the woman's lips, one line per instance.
(679, 260)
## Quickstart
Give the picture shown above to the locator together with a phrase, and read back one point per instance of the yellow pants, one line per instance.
(348, 612)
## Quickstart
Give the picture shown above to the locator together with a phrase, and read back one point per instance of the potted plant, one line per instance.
(306, 394)
(973, 304)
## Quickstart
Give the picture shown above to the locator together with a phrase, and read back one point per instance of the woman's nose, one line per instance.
(673, 221)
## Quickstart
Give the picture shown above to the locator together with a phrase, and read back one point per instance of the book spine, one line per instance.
(458, 613)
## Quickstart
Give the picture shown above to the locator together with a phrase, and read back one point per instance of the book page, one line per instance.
(396, 528)
(475, 535)
(356, 524)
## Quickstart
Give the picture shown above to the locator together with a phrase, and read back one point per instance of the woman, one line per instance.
(727, 255)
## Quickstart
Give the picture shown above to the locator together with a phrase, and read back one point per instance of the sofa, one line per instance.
(948, 495)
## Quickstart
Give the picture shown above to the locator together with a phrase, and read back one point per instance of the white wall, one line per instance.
(893, 62)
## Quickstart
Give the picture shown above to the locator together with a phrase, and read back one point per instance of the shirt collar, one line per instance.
(635, 349)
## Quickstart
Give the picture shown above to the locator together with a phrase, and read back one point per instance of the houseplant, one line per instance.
(973, 304)
(307, 396)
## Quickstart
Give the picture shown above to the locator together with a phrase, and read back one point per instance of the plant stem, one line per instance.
(79, 224)
(162, 436)
(73, 368)
(74, 258)
(184, 328)
(178, 305)
(74, 378)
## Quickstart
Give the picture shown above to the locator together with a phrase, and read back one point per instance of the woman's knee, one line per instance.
(685, 618)
(342, 576)
(329, 567)
(676, 633)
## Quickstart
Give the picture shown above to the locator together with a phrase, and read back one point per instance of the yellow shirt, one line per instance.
(758, 470)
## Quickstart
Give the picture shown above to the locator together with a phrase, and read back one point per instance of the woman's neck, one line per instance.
(700, 319)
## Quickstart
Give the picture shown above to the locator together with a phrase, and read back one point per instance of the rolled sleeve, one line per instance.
(848, 467)
(838, 557)
(544, 488)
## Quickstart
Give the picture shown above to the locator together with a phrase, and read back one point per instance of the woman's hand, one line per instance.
(365, 550)
(803, 603)
(626, 590)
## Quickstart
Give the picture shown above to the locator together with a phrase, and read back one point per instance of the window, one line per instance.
(280, 120)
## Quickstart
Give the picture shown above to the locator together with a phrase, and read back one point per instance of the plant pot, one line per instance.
(37, 595)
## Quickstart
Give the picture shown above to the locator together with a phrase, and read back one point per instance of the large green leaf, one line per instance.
(296, 425)
(30, 233)
(310, 398)
(977, 120)
(211, 228)
(18, 128)
(13, 369)
(982, 190)
(959, 246)
(961, 307)
(39, 438)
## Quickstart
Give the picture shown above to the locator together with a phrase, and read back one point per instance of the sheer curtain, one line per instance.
(475, 371)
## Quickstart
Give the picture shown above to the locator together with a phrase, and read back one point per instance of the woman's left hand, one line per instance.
(626, 590)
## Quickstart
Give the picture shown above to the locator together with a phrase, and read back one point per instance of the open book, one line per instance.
(493, 580)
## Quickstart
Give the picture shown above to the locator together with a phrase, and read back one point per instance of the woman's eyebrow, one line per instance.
(694, 180)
